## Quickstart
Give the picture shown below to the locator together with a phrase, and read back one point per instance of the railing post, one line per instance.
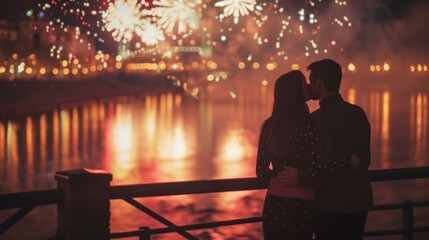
(84, 212)
(144, 233)
(408, 220)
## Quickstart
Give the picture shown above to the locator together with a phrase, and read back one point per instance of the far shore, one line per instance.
(22, 97)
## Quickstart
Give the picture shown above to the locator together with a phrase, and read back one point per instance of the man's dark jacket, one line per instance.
(345, 131)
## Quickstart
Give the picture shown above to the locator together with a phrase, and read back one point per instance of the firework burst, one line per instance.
(124, 18)
(180, 13)
(153, 34)
(236, 7)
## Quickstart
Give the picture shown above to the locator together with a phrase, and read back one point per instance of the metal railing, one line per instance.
(129, 192)
(26, 201)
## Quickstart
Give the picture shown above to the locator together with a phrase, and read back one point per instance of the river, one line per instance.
(210, 135)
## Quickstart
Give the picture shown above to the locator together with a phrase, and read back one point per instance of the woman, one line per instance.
(288, 138)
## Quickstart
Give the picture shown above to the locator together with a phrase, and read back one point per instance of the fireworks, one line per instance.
(124, 18)
(295, 27)
(152, 34)
(277, 29)
(180, 13)
(81, 15)
(236, 7)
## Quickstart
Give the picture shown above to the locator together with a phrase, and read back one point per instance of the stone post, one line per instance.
(84, 212)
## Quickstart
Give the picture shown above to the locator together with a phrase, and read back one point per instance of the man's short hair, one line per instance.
(329, 71)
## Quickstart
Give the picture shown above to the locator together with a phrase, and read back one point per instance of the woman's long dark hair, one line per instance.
(289, 110)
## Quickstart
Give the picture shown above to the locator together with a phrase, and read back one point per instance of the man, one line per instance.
(343, 197)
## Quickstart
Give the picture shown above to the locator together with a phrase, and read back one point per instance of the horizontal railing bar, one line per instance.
(399, 174)
(395, 231)
(32, 198)
(240, 184)
(124, 234)
(188, 187)
(420, 204)
(189, 227)
(206, 225)
(51, 196)
(367, 234)
(383, 232)
(250, 220)
(400, 205)
(421, 229)
(258, 219)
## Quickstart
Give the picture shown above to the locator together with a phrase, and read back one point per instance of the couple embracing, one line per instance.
(316, 163)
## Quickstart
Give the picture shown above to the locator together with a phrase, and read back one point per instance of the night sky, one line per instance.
(17, 8)
(13, 10)
(379, 30)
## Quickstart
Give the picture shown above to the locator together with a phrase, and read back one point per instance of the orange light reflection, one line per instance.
(351, 96)
(150, 126)
(43, 137)
(43, 146)
(2, 140)
(75, 134)
(234, 149)
(93, 111)
(176, 144)
(30, 151)
(55, 139)
(121, 144)
(85, 129)
(418, 127)
(379, 113)
(385, 151)
(65, 137)
(12, 152)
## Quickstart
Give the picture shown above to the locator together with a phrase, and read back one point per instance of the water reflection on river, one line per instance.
(170, 137)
